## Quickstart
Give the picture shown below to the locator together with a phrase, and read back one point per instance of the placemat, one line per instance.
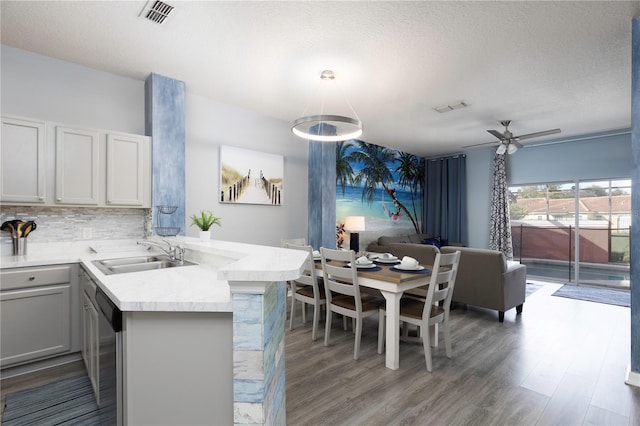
(376, 268)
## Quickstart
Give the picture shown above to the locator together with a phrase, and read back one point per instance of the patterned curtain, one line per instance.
(500, 231)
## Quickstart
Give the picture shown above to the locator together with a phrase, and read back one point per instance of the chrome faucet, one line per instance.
(174, 252)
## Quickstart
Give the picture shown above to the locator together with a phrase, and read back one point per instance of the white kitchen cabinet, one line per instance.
(77, 166)
(55, 164)
(38, 314)
(127, 166)
(22, 156)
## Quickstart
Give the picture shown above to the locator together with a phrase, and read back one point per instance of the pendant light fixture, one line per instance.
(327, 127)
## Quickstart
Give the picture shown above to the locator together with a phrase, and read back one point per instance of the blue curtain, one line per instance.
(445, 210)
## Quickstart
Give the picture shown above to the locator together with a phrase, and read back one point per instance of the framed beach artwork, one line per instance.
(250, 177)
(383, 185)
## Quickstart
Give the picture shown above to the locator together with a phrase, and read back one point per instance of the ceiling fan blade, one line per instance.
(516, 143)
(538, 134)
(482, 144)
(497, 134)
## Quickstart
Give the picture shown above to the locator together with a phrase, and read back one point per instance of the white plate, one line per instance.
(387, 260)
(364, 265)
(409, 268)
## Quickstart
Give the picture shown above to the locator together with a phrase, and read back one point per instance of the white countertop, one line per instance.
(199, 288)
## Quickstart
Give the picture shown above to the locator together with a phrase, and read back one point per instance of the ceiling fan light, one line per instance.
(512, 148)
(501, 149)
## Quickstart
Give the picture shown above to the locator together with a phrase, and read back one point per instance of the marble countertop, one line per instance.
(205, 287)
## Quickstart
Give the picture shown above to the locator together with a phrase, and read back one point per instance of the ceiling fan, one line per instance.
(509, 143)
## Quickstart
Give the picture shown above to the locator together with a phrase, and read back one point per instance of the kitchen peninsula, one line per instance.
(202, 344)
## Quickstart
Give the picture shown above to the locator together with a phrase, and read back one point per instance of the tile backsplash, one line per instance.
(56, 224)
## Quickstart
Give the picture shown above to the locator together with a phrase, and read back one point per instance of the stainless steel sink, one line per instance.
(138, 264)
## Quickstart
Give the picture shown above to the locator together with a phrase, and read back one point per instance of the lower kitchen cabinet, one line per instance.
(38, 314)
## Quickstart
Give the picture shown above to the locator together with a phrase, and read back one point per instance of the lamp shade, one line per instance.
(501, 149)
(354, 223)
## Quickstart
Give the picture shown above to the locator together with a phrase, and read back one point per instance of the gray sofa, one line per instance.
(484, 279)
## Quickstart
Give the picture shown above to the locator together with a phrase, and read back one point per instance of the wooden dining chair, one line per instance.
(343, 293)
(308, 289)
(300, 241)
(427, 313)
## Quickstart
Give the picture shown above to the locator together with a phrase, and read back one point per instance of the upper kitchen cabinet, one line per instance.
(77, 163)
(22, 155)
(82, 166)
(128, 168)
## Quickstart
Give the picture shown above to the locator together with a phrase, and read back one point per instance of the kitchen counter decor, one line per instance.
(165, 231)
(205, 221)
(19, 230)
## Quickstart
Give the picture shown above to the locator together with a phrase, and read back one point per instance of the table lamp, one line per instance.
(354, 224)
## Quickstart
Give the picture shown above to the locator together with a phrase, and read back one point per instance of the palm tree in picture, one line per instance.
(375, 171)
(411, 175)
(344, 172)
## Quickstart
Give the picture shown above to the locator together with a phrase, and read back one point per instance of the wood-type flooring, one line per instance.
(562, 362)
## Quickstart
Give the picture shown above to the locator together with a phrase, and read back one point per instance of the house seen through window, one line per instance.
(573, 231)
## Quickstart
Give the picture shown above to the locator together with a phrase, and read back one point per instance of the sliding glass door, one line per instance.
(573, 231)
(604, 232)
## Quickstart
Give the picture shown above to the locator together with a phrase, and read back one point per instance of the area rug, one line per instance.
(532, 288)
(594, 294)
(68, 401)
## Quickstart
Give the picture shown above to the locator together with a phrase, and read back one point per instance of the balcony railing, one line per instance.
(549, 251)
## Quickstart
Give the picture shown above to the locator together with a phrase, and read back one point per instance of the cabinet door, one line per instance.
(77, 166)
(91, 344)
(35, 323)
(22, 155)
(125, 170)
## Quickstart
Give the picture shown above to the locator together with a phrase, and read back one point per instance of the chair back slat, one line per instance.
(338, 278)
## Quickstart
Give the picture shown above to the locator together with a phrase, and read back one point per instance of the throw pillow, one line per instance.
(435, 241)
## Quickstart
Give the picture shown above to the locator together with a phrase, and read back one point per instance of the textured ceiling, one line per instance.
(542, 65)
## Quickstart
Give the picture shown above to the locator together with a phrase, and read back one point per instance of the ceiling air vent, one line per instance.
(447, 108)
(156, 11)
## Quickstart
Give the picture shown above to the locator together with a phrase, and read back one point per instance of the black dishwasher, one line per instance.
(110, 326)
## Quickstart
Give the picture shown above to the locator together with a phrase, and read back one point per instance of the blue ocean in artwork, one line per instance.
(377, 213)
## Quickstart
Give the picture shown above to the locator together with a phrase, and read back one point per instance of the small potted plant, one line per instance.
(204, 221)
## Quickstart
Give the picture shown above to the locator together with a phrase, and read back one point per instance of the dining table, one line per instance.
(392, 283)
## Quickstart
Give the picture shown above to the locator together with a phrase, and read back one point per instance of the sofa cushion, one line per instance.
(425, 254)
(385, 241)
(418, 238)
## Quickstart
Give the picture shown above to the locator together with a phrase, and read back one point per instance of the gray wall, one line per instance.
(594, 156)
(40, 87)
(211, 124)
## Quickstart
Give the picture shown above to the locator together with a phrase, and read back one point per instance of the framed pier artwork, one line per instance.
(250, 177)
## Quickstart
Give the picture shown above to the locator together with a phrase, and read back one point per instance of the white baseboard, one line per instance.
(632, 378)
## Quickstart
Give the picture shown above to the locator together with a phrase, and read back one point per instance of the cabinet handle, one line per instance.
(58, 199)
(40, 198)
(31, 278)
